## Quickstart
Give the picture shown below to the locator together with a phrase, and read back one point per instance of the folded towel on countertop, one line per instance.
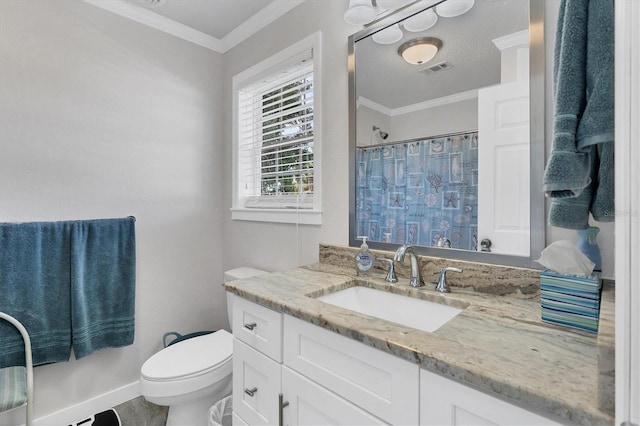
(34, 289)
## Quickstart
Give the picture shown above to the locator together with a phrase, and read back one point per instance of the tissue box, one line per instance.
(570, 300)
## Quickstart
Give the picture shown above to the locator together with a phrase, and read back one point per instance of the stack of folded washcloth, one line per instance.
(571, 300)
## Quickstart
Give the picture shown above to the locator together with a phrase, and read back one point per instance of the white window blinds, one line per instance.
(275, 138)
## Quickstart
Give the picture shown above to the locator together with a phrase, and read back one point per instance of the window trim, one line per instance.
(249, 76)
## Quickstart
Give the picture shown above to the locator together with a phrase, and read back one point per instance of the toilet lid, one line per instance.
(189, 357)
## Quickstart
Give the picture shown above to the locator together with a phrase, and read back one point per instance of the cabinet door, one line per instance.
(378, 382)
(256, 385)
(310, 404)
(446, 402)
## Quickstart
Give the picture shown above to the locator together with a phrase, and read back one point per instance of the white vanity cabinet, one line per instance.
(446, 402)
(288, 371)
(266, 392)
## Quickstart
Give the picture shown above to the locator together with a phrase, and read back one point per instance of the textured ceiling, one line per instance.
(385, 78)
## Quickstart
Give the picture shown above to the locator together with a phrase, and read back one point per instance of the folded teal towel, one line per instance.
(577, 178)
(103, 272)
(34, 284)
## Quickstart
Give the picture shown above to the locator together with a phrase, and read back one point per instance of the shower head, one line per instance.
(382, 133)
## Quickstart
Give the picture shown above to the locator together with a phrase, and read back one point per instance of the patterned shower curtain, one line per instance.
(415, 192)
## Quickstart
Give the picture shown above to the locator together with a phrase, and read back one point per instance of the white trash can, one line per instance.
(221, 413)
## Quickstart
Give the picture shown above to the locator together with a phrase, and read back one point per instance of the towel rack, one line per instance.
(18, 389)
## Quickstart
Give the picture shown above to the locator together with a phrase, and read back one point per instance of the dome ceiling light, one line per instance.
(420, 50)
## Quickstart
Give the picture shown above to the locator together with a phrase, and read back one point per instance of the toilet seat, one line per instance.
(190, 358)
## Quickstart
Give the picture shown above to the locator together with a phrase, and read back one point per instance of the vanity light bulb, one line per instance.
(420, 22)
(388, 35)
(360, 12)
(453, 8)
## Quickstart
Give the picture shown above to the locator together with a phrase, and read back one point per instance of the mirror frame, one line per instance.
(537, 61)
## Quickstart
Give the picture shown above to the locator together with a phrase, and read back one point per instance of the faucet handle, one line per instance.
(391, 271)
(443, 286)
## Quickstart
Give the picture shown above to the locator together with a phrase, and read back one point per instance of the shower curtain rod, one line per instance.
(446, 135)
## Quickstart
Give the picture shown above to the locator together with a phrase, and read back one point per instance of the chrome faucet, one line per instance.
(416, 278)
(443, 286)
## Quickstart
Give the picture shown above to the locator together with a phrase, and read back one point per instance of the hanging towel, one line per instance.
(102, 284)
(579, 173)
(34, 288)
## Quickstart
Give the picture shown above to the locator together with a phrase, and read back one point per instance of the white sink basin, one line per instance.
(404, 310)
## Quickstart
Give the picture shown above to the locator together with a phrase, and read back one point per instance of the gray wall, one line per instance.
(103, 117)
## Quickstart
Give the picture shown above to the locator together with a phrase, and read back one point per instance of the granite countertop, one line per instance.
(497, 344)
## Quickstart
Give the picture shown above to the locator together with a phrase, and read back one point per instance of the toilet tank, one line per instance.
(238, 274)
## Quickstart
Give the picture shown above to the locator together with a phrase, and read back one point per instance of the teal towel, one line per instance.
(579, 179)
(34, 289)
(102, 284)
(70, 283)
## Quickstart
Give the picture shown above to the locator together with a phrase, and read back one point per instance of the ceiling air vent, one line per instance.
(437, 67)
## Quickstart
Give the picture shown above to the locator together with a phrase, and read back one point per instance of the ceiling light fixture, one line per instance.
(360, 12)
(420, 50)
(453, 8)
(389, 35)
(421, 21)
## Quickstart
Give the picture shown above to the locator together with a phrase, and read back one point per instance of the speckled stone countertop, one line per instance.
(497, 343)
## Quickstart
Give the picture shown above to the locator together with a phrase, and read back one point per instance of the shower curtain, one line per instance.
(414, 192)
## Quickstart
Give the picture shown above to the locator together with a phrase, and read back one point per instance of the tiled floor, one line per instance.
(139, 412)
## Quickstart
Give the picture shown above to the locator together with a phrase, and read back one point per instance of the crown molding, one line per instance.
(255, 23)
(366, 102)
(445, 100)
(518, 38)
(264, 17)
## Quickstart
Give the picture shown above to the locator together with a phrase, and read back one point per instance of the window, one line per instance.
(276, 137)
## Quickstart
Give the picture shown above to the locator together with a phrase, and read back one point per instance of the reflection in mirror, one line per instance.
(442, 150)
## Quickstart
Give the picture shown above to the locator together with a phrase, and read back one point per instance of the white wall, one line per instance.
(278, 246)
(103, 117)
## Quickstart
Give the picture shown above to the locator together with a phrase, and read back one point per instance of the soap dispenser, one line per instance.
(364, 259)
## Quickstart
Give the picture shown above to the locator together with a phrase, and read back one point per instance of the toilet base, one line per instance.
(195, 412)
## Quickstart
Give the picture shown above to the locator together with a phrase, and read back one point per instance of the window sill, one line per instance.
(302, 217)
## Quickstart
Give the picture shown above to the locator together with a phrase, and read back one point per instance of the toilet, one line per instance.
(192, 375)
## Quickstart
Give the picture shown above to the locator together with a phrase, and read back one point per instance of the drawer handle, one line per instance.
(251, 392)
(281, 404)
(250, 326)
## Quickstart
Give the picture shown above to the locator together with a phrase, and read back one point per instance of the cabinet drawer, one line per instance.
(446, 402)
(380, 383)
(256, 386)
(311, 404)
(258, 327)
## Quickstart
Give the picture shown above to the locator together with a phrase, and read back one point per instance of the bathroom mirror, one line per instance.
(432, 157)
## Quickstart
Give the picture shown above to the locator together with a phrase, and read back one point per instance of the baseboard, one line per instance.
(82, 410)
